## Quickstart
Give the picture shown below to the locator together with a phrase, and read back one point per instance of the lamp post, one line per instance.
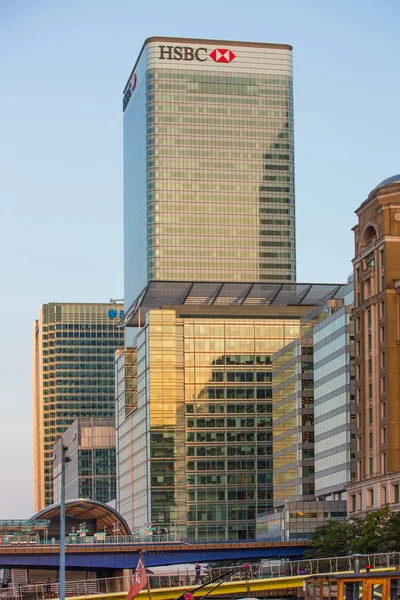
(64, 459)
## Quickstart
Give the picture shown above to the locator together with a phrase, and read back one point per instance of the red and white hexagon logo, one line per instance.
(222, 55)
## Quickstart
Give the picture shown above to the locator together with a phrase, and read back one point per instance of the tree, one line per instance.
(371, 533)
(330, 539)
(390, 536)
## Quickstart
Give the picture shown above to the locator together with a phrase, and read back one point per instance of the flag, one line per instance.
(139, 580)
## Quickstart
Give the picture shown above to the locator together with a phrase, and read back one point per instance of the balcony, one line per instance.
(368, 273)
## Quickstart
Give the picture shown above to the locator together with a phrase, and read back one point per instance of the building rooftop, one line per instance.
(388, 181)
(208, 293)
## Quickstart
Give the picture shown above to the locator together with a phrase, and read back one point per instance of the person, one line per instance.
(198, 574)
(188, 595)
(47, 588)
(368, 568)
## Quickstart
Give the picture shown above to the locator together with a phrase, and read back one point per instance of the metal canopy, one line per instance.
(208, 293)
(87, 509)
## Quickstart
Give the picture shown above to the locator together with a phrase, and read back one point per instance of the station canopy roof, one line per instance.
(208, 293)
(87, 510)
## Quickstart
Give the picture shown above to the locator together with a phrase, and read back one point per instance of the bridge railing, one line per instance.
(184, 577)
(124, 539)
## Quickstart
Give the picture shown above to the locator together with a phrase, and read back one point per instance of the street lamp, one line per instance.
(64, 459)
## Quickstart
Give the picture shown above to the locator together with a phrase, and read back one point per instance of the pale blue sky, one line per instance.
(63, 65)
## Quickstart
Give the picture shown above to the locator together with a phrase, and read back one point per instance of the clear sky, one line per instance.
(63, 66)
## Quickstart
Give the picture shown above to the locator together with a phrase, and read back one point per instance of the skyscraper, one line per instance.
(208, 164)
(73, 376)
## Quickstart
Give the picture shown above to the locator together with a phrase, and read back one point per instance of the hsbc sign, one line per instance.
(188, 53)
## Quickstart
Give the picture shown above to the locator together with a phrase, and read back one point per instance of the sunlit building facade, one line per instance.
(208, 163)
(90, 471)
(293, 421)
(73, 376)
(293, 407)
(377, 350)
(194, 404)
(334, 401)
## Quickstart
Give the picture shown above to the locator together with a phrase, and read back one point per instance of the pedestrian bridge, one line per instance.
(261, 587)
(263, 579)
(102, 555)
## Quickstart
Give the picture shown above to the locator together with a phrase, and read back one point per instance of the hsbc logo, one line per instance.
(187, 53)
(222, 55)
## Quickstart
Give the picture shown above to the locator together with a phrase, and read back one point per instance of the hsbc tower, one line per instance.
(208, 164)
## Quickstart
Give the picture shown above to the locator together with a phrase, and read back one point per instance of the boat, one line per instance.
(376, 585)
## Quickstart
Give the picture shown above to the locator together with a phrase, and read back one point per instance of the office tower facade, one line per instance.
(377, 350)
(194, 423)
(293, 369)
(208, 164)
(293, 421)
(73, 376)
(91, 470)
(334, 401)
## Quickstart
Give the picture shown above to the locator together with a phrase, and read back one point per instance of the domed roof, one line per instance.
(393, 179)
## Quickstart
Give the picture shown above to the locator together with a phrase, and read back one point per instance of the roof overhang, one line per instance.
(87, 509)
(158, 294)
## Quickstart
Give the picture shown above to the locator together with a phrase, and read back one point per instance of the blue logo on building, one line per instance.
(112, 313)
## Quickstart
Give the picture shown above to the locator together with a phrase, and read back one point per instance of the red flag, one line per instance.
(139, 580)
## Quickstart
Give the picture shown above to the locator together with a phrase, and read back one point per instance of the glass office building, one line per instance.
(334, 401)
(90, 473)
(73, 376)
(293, 421)
(208, 163)
(194, 404)
(293, 406)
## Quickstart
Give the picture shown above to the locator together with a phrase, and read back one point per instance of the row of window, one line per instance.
(213, 436)
(238, 393)
(221, 422)
(228, 408)
(388, 494)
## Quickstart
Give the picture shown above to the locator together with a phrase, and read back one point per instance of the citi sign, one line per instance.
(219, 55)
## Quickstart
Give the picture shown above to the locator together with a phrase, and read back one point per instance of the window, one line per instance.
(359, 396)
(358, 348)
(383, 385)
(370, 416)
(358, 324)
(382, 309)
(383, 495)
(358, 420)
(370, 366)
(384, 463)
(353, 503)
(359, 443)
(383, 410)
(358, 371)
(370, 497)
(371, 468)
(382, 335)
(369, 342)
(370, 391)
(359, 470)
(369, 318)
(396, 498)
(371, 439)
(383, 435)
(383, 360)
